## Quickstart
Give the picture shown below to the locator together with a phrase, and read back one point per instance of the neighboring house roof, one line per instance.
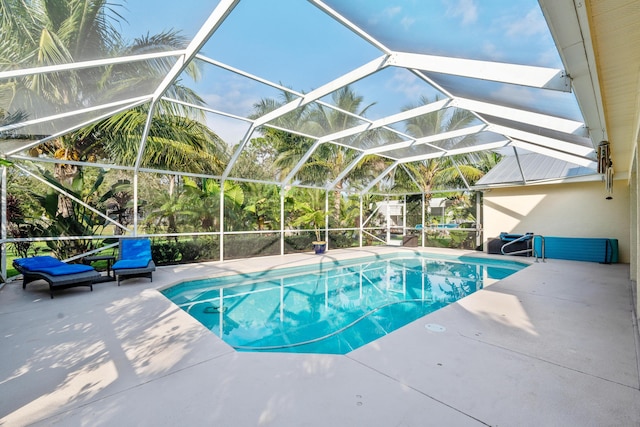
(535, 167)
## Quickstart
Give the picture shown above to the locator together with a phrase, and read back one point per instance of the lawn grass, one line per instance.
(39, 248)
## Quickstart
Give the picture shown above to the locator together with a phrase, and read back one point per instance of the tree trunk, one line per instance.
(337, 198)
(65, 174)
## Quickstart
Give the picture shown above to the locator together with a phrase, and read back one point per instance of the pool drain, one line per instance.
(435, 327)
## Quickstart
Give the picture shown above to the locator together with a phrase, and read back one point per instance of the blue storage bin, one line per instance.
(579, 248)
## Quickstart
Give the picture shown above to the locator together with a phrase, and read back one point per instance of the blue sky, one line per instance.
(293, 43)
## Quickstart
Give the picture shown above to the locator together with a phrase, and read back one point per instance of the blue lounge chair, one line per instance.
(58, 274)
(134, 260)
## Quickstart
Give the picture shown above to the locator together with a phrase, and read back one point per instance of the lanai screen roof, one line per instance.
(406, 59)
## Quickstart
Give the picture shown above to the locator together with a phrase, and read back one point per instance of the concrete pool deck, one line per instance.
(554, 344)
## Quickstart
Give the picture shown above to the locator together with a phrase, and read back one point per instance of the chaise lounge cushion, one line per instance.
(50, 265)
(135, 259)
(138, 262)
(56, 273)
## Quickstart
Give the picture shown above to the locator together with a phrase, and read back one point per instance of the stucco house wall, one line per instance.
(568, 210)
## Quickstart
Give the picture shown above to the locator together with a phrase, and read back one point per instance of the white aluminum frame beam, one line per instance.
(518, 115)
(253, 77)
(129, 103)
(545, 141)
(413, 178)
(380, 123)
(72, 197)
(482, 147)
(139, 101)
(301, 162)
(455, 164)
(385, 121)
(350, 25)
(236, 154)
(87, 64)
(380, 177)
(346, 171)
(427, 140)
(517, 156)
(346, 79)
(207, 109)
(522, 75)
(581, 161)
(217, 17)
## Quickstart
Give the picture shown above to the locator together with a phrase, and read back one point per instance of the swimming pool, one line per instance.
(335, 308)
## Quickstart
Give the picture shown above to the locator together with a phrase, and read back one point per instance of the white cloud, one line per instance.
(531, 24)
(235, 96)
(406, 83)
(385, 15)
(549, 58)
(230, 130)
(467, 10)
(491, 51)
(524, 94)
(392, 11)
(407, 22)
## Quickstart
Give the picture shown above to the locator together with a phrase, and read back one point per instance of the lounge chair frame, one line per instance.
(130, 273)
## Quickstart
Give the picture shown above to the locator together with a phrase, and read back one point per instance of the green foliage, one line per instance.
(310, 217)
(257, 160)
(200, 202)
(298, 243)
(343, 240)
(250, 246)
(165, 253)
(262, 207)
(199, 249)
(64, 217)
(462, 239)
(17, 227)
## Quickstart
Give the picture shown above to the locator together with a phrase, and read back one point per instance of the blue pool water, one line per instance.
(332, 308)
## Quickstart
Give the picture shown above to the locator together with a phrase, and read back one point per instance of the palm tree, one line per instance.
(289, 147)
(174, 142)
(50, 32)
(441, 171)
(262, 207)
(329, 160)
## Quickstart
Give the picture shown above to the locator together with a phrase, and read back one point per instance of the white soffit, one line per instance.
(569, 27)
